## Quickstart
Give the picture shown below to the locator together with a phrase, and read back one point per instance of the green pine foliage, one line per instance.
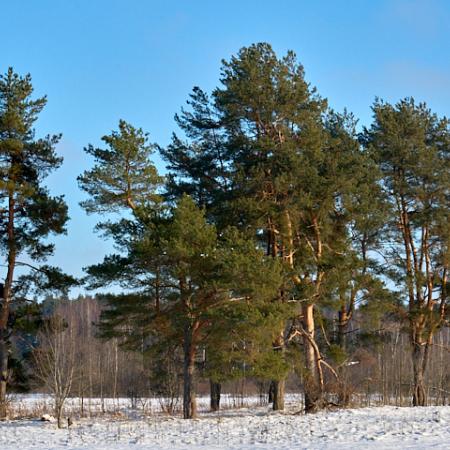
(29, 215)
(122, 174)
(280, 241)
(263, 242)
(290, 173)
(411, 146)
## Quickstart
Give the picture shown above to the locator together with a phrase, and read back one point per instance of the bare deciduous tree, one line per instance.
(55, 360)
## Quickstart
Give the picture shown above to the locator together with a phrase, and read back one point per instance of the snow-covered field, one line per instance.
(242, 429)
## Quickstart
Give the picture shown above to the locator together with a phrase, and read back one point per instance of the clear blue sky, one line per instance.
(102, 60)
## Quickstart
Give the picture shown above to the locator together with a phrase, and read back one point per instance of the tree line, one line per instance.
(278, 227)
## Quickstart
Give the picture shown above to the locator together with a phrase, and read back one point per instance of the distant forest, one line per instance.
(286, 250)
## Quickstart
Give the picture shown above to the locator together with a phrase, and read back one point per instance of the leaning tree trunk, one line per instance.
(215, 391)
(313, 383)
(189, 401)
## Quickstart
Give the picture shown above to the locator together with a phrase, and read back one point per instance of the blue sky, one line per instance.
(102, 60)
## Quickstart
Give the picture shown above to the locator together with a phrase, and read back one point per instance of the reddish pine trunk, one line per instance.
(3, 373)
(312, 381)
(4, 311)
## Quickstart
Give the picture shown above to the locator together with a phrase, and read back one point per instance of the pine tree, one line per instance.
(28, 214)
(292, 170)
(199, 274)
(249, 145)
(198, 165)
(123, 175)
(214, 273)
(354, 274)
(177, 268)
(123, 187)
(411, 146)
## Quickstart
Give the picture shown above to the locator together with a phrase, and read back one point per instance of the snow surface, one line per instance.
(24, 404)
(243, 429)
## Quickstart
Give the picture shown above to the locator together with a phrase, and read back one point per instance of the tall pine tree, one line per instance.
(178, 270)
(28, 213)
(286, 171)
(412, 148)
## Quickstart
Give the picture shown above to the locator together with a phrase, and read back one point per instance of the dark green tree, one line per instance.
(286, 171)
(199, 274)
(125, 182)
(198, 164)
(28, 214)
(123, 175)
(214, 273)
(175, 266)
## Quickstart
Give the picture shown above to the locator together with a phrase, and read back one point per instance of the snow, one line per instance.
(241, 429)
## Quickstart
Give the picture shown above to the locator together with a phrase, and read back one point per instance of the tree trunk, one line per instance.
(4, 347)
(215, 390)
(3, 373)
(278, 394)
(4, 310)
(59, 414)
(271, 391)
(189, 401)
(277, 387)
(343, 391)
(313, 384)
(418, 357)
